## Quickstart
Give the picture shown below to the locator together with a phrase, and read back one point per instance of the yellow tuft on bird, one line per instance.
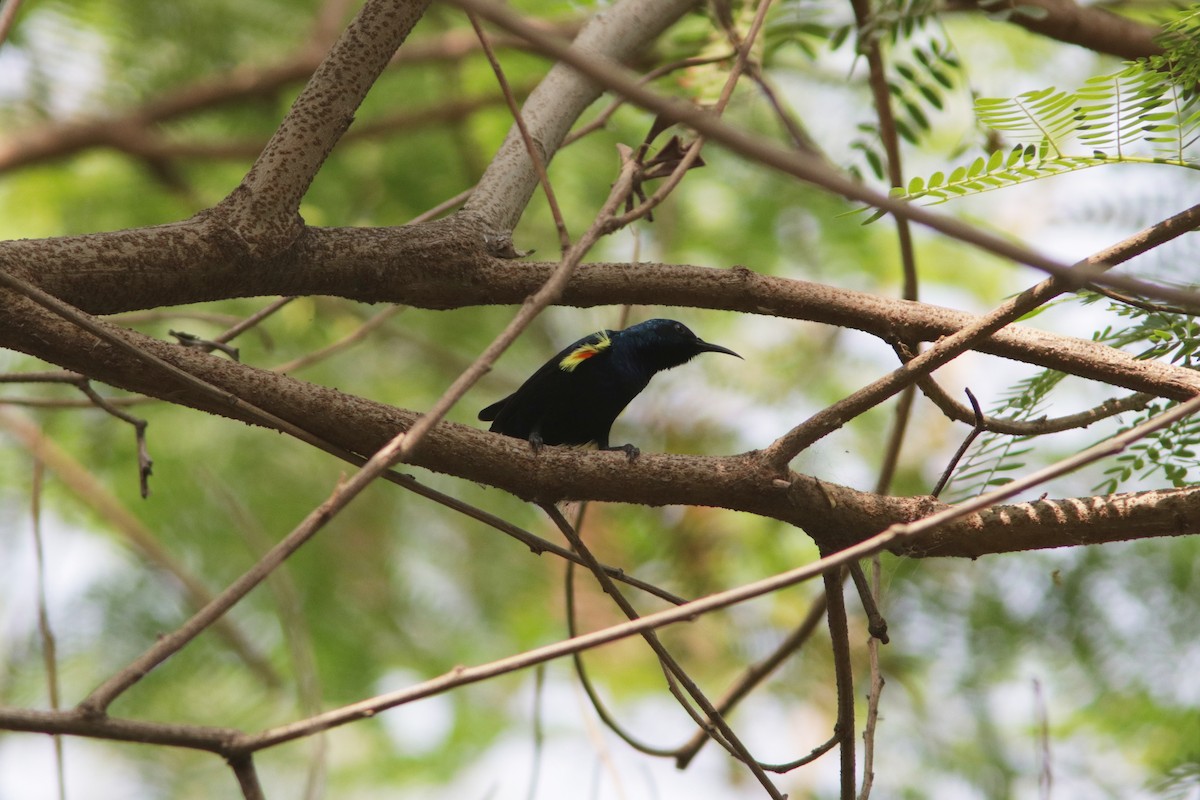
(594, 345)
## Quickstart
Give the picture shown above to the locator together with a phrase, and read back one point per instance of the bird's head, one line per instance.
(666, 343)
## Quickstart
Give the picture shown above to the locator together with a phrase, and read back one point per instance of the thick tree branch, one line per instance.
(264, 210)
(618, 34)
(1087, 26)
(801, 165)
(784, 449)
(439, 265)
(740, 483)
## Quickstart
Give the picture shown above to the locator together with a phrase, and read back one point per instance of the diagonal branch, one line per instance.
(264, 210)
(801, 165)
(434, 265)
(741, 483)
(674, 671)
(830, 419)
(617, 34)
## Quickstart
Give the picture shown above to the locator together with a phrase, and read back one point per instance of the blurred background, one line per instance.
(1069, 673)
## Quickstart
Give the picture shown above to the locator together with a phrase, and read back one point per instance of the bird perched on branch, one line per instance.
(576, 396)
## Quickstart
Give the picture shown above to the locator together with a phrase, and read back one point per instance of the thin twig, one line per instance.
(839, 635)
(756, 674)
(349, 340)
(873, 696)
(81, 382)
(462, 676)
(962, 448)
(443, 207)
(664, 69)
(535, 543)
(585, 680)
(670, 665)
(812, 756)
(186, 339)
(252, 320)
(145, 463)
(247, 776)
(876, 624)
(535, 157)
(1137, 302)
(1023, 427)
(801, 139)
(60, 376)
(868, 45)
(45, 631)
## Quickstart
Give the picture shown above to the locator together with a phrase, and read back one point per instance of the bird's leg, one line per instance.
(629, 450)
(535, 441)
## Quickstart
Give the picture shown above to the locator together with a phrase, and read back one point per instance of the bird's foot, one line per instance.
(535, 442)
(630, 451)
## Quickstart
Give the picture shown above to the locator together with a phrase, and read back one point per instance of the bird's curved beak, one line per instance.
(705, 347)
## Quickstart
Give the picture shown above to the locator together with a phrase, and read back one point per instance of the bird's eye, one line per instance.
(678, 327)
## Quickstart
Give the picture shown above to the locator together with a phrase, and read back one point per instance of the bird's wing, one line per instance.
(528, 401)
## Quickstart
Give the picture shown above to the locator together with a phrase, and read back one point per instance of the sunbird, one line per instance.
(575, 397)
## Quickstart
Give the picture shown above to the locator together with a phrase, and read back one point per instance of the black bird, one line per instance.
(576, 396)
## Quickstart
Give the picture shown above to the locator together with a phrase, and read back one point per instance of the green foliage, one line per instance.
(918, 81)
(397, 590)
(922, 65)
(1112, 119)
(1172, 451)
(1146, 112)
(1181, 41)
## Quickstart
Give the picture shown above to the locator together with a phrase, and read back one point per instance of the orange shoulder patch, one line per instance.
(593, 346)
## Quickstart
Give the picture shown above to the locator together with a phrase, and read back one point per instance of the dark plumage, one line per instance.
(576, 396)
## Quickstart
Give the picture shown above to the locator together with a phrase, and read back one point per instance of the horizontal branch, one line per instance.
(440, 265)
(840, 515)
(75, 723)
(1092, 27)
